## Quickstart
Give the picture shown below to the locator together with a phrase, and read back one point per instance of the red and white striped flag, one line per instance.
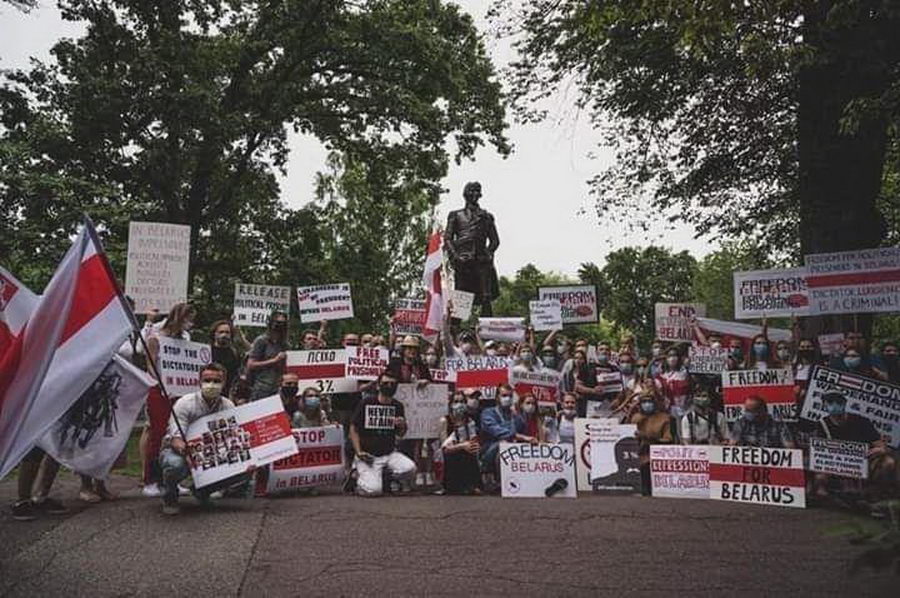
(434, 300)
(16, 304)
(68, 340)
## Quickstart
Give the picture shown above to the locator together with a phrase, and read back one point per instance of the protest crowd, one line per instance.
(449, 407)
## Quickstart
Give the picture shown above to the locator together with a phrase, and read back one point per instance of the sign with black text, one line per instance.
(424, 407)
(860, 281)
(578, 303)
(673, 320)
(156, 273)
(179, 364)
(319, 461)
(770, 293)
(842, 458)
(326, 369)
(776, 386)
(537, 470)
(679, 471)
(750, 474)
(325, 302)
(546, 315)
(253, 303)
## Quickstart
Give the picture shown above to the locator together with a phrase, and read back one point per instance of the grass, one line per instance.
(133, 467)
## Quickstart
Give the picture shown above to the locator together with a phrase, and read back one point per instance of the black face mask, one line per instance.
(387, 389)
(289, 392)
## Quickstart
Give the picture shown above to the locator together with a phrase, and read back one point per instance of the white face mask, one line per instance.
(528, 408)
(716, 345)
(506, 401)
(569, 413)
(211, 390)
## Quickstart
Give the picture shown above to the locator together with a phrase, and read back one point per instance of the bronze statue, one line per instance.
(471, 240)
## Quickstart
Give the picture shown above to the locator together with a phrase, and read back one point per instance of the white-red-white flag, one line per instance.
(16, 304)
(72, 333)
(434, 299)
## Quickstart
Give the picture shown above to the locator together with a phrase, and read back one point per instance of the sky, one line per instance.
(538, 196)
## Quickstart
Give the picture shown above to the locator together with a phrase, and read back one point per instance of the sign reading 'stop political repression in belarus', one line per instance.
(325, 302)
(770, 293)
(679, 471)
(254, 303)
(766, 476)
(156, 274)
(578, 303)
(537, 470)
(179, 364)
(775, 386)
(707, 360)
(673, 320)
(862, 281)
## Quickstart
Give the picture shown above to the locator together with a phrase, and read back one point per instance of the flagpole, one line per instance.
(162, 386)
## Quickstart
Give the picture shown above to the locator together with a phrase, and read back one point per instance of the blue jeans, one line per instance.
(174, 469)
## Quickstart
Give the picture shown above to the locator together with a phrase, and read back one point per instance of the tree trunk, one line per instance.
(840, 173)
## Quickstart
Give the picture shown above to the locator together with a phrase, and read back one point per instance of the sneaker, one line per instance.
(429, 479)
(24, 510)
(50, 505)
(182, 491)
(151, 491)
(420, 479)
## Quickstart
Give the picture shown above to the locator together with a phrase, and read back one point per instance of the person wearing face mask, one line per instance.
(840, 425)
(598, 385)
(525, 361)
(675, 384)
(374, 429)
(566, 421)
(549, 357)
(756, 427)
(177, 324)
(890, 361)
(497, 424)
(802, 364)
(527, 422)
(309, 412)
(657, 358)
(626, 366)
(654, 426)
(702, 424)
(288, 393)
(432, 358)
(460, 445)
(735, 354)
(186, 411)
(224, 352)
(267, 357)
(475, 404)
(783, 354)
(549, 424)
(409, 367)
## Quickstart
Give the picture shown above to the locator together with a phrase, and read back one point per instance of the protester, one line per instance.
(460, 446)
(735, 354)
(374, 429)
(186, 411)
(177, 324)
(410, 367)
(287, 392)
(889, 358)
(657, 358)
(528, 424)
(627, 367)
(853, 362)
(675, 384)
(702, 424)
(33, 485)
(224, 352)
(549, 357)
(654, 426)
(566, 425)
(760, 356)
(549, 425)
(267, 357)
(525, 361)
(783, 354)
(314, 339)
(806, 358)
(593, 392)
(310, 413)
(756, 427)
(497, 424)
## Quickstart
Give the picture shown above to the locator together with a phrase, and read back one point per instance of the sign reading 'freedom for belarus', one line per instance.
(156, 274)
(862, 281)
(325, 302)
(750, 474)
(770, 293)
(776, 386)
(253, 303)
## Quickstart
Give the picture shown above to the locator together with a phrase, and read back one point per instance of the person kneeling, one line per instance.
(374, 429)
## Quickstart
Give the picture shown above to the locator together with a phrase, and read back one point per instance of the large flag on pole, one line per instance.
(434, 300)
(75, 328)
(16, 304)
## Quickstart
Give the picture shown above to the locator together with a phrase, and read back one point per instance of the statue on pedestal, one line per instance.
(470, 240)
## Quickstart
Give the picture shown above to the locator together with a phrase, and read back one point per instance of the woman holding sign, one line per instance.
(460, 445)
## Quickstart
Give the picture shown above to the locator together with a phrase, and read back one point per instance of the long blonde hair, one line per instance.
(175, 320)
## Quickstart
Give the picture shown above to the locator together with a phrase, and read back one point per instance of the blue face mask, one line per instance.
(760, 349)
(852, 362)
(311, 402)
(626, 368)
(835, 408)
(648, 407)
(458, 409)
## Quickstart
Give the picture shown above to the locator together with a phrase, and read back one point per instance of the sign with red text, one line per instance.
(848, 282)
(325, 302)
(179, 364)
(775, 386)
(673, 320)
(365, 363)
(679, 471)
(156, 273)
(319, 461)
(537, 470)
(409, 317)
(578, 303)
(326, 369)
(224, 444)
(253, 303)
(831, 344)
(770, 293)
(750, 474)
(424, 406)
(542, 384)
(510, 330)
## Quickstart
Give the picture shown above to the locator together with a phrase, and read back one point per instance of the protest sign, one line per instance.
(679, 471)
(546, 315)
(442, 375)
(585, 429)
(770, 293)
(319, 461)
(511, 330)
(326, 369)
(750, 474)
(156, 273)
(224, 444)
(542, 384)
(831, 344)
(179, 364)
(253, 303)
(673, 320)
(424, 406)
(484, 372)
(839, 457)
(615, 462)
(776, 386)
(877, 401)
(325, 302)
(861, 281)
(578, 303)
(707, 360)
(365, 363)
(409, 317)
(610, 382)
(537, 470)
(462, 304)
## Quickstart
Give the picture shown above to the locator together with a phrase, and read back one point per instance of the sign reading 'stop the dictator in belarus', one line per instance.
(578, 303)
(325, 302)
(770, 293)
(862, 281)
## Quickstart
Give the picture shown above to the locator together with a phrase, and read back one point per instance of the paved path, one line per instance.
(456, 546)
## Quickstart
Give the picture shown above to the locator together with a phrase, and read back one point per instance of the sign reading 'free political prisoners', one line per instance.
(770, 293)
(325, 302)
(578, 303)
(877, 401)
(179, 364)
(156, 274)
(750, 474)
(319, 461)
(537, 470)
(253, 303)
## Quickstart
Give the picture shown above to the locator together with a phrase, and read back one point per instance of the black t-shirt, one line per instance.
(374, 422)
(856, 428)
(227, 357)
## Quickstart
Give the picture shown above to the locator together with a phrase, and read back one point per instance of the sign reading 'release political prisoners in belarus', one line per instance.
(839, 457)
(179, 364)
(766, 476)
(775, 386)
(673, 320)
(325, 302)
(770, 293)
(253, 303)
(578, 303)
(537, 470)
(877, 401)
(679, 471)
(156, 274)
(319, 461)
(224, 444)
(863, 281)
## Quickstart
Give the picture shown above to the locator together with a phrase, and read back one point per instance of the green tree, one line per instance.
(714, 281)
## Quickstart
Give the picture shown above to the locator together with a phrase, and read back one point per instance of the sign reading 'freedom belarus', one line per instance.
(156, 274)
(862, 281)
(253, 303)
(325, 302)
(770, 293)
(578, 303)
(537, 470)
